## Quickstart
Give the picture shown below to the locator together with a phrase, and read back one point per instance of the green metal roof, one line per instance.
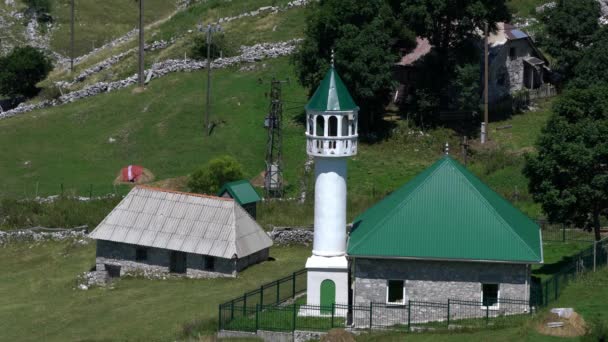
(331, 95)
(446, 213)
(242, 191)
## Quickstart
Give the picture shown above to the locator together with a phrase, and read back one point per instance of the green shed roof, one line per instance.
(331, 95)
(242, 191)
(446, 213)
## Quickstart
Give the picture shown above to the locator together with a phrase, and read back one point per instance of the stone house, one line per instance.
(443, 235)
(163, 231)
(515, 63)
(243, 193)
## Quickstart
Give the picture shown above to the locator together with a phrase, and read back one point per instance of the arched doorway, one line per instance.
(328, 295)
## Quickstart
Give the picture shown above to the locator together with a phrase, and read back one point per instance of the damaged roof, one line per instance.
(183, 222)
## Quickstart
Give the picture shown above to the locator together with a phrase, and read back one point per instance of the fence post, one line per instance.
(563, 233)
(245, 305)
(278, 294)
(257, 319)
(293, 285)
(487, 313)
(232, 309)
(594, 254)
(371, 314)
(219, 321)
(556, 282)
(333, 312)
(262, 295)
(295, 316)
(409, 311)
(448, 312)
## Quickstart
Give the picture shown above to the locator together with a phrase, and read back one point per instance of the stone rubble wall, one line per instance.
(38, 234)
(249, 54)
(292, 236)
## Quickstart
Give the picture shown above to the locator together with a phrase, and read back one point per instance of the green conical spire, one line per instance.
(331, 95)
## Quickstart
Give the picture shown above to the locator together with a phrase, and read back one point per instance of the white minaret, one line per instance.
(331, 134)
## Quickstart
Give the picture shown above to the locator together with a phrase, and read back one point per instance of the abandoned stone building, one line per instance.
(443, 235)
(515, 63)
(243, 193)
(157, 230)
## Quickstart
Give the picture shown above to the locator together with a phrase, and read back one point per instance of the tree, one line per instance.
(592, 68)
(449, 23)
(212, 176)
(40, 9)
(22, 69)
(366, 37)
(446, 76)
(219, 46)
(569, 174)
(569, 28)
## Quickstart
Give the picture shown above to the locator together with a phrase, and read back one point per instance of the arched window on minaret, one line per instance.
(344, 125)
(310, 125)
(333, 126)
(320, 132)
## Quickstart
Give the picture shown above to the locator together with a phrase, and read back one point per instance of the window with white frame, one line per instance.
(395, 292)
(490, 293)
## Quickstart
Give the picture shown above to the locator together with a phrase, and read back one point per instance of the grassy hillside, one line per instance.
(160, 129)
(98, 22)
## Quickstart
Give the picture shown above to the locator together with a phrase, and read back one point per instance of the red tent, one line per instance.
(131, 173)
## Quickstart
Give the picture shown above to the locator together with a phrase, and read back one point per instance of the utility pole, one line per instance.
(209, 30)
(484, 128)
(72, 37)
(141, 43)
(273, 177)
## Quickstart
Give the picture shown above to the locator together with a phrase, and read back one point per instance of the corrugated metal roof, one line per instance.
(331, 95)
(183, 222)
(446, 213)
(242, 191)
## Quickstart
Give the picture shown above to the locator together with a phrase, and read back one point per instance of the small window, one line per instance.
(141, 254)
(395, 292)
(209, 263)
(489, 295)
(512, 53)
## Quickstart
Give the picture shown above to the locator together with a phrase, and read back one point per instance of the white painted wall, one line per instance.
(330, 207)
(332, 268)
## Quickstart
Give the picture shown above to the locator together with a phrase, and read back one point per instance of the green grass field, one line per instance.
(39, 301)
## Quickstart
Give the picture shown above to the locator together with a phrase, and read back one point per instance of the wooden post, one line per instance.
(371, 314)
(72, 37)
(295, 317)
(141, 44)
(278, 292)
(409, 315)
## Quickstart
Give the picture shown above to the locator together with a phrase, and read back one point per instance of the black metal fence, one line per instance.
(542, 293)
(412, 315)
(563, 233)
(273, 293)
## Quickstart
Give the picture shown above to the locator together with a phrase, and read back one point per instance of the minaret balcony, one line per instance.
(331, 146)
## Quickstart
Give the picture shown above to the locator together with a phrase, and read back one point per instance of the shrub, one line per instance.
(210, 178)
(50, 93)
(219, 46)
(22, 69)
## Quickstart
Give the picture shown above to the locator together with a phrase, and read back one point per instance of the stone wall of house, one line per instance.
(252, 259)
(158, 261)
(436, 281)
(511, 71)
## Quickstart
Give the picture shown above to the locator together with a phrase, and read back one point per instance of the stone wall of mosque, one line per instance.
(436, 282)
